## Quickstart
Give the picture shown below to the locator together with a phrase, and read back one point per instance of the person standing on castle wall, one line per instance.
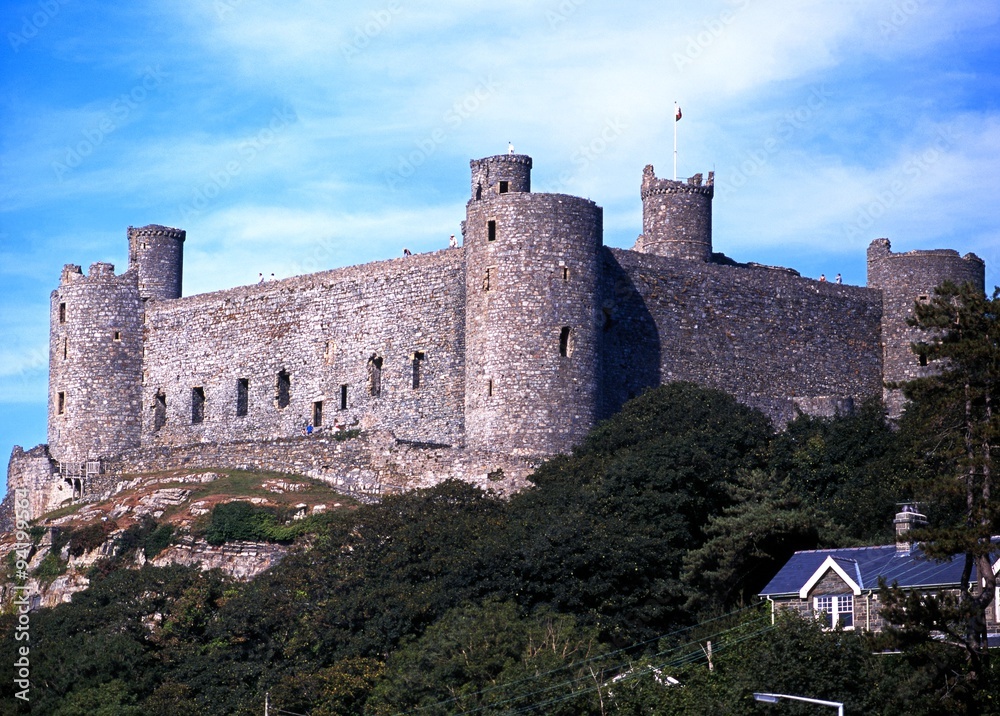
(452, 242)
(822, 278)
(407, 252)
(838, 279)
(260, 278)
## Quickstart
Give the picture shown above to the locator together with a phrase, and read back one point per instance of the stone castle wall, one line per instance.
(514, 344)
(377, 346)
(773, 339)
(371, 465)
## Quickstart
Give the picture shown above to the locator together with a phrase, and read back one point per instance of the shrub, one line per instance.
(89, 538)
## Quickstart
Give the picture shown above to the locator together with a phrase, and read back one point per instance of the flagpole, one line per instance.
(675, 141)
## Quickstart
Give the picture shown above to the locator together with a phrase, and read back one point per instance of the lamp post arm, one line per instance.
(774, 697)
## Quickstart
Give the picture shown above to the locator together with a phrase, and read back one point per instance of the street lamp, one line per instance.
(773, 699)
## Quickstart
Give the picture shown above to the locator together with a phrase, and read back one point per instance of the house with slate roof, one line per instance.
(841, 586)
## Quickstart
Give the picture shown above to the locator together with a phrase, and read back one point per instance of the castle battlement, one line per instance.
(651, 185)
(513, 345)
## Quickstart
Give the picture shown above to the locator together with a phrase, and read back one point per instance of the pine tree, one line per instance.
(953, 418)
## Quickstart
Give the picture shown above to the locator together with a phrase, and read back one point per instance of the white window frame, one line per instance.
(837, 606)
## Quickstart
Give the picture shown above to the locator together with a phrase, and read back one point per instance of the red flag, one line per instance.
(677, 115)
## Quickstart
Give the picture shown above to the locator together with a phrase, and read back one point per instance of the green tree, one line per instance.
(490, 659)
(749, 542)
(603, 533)
(953, 422)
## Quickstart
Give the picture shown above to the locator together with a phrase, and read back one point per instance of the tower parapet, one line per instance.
(95, 364)
(676, 216)
(500, 174)
(904, 279)
(157, 252)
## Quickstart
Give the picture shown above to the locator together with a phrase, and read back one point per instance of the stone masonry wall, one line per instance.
(34, 472)
(676, 216)
(772, 339)
(157, 254)
(95, 355)
(905, 278)
(370, 465)
(532, 354)
(379, 345)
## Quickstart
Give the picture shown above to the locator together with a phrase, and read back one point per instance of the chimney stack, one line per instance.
(907, 519)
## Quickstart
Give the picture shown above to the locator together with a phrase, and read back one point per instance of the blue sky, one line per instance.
(308, 135)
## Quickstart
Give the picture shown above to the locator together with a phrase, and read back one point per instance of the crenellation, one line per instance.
(472, 362)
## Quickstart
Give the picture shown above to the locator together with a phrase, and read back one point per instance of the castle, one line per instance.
(469, 361)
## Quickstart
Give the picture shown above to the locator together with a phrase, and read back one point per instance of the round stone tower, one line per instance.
(676, 216)
(904, 279)
(95, 364)
(157, 252)
(532, 263)
(502, 174)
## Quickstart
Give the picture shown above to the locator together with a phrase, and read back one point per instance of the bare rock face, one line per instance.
(241, 560)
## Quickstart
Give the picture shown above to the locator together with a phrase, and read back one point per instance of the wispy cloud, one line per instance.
(814, 115)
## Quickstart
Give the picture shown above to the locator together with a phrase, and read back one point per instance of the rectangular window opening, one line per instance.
(418, 356)
(284, 396)
(117, 336)
(491, 230)
(504, 187)
(159, 410)
(565, 341)
(487, 279)
(242, 396)
(318, 414)
(65, 348)
(197, 405)
(923, 359)
(62, 312)
(61, 404)
(343, 397)
(489, 387)
(375, 375)
(565, 273)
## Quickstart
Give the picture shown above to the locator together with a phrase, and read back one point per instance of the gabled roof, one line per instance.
(847, 569)
(862, 567)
